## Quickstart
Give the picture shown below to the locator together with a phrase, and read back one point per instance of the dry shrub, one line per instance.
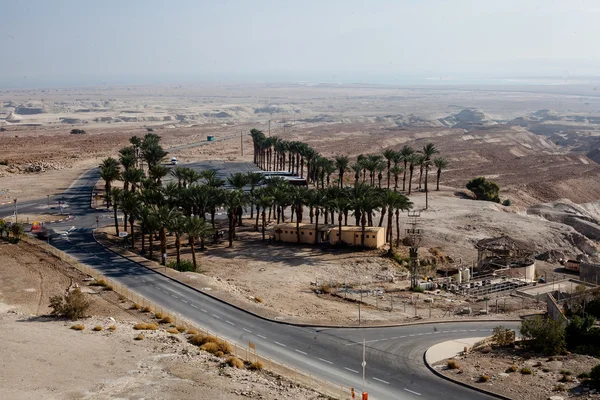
(566, 378)
(166, 320)
(200, 339)
(210, 347)
(512, 368)
(145, 327)
(135, 306)
(97, 328)
(235, 362)
(256, 366)
(73, 305)
(566, 372)
(483, 378)
(526, 371)
(192, 331)
(174, 331)
(180, 328)
(112, 328)
(220, 354)
(78, 327)
(158, 315)
(258, 299)
(452, 364)
(146, 309)
(559, 388)
(139, 337)
(122, 298)
(486, 349)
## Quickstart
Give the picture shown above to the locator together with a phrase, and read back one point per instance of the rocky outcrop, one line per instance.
(29, 110)
(13, 119)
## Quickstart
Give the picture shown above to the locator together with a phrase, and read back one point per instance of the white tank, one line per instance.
(458, 277)
(466, 275)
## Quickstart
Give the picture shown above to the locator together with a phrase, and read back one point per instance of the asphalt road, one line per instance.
(394, 356)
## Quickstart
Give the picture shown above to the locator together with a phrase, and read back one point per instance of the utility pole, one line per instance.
(16, 213)
(414, 235)
(269, 128)
(364, 364)
(242, 141)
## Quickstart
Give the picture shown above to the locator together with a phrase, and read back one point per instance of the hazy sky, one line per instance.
(137, 41)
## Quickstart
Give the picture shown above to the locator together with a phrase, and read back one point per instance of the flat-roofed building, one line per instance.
(351, 235)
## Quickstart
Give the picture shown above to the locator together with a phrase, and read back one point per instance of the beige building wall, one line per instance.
(374, 238)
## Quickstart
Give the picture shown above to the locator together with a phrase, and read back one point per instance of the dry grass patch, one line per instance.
(139, 337)
(211, 344)
(158, 315)
(192, 332)
(256, 366)
(135, 306)
(174, 331)
(452, 364)
(512, 368)
(235, 362)
(258, 299)
(166, 320)
(526, 371)
(112, 328)
(180, 328)
(483, 378)
(97, 328)
(78, 327)
(142, 326)
(146, 309)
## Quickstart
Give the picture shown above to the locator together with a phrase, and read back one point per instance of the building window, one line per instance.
(302, 233)
(310, 233)
(337, 235)
(356, 235)
(285, 231)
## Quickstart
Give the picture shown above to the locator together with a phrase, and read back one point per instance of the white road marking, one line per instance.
(381, 380)
(216, 316)
(472, 330)
(445, 331)
(408, 390)
(301, 352)
(230, 323)
(246, 330)
(411, 335)
(193, 305)
(281, 344)
(428, 333)
(203, 310)
(185, 301)
(356, 372)
(327, 361)
(173, 296)
(260, 336)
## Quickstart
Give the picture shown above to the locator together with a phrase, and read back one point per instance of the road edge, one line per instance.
(299, 324)
(463, 384)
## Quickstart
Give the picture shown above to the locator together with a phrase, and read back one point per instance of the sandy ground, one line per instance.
(43, 358)
(543, 383)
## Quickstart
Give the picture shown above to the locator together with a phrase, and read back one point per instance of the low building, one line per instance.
(351, 235)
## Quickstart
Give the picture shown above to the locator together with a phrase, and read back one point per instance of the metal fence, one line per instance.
(246, 353)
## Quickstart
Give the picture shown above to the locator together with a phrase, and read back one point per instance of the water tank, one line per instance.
(466, 275)
(458, 277)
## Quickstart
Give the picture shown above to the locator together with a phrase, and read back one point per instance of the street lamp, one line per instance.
(15, 201)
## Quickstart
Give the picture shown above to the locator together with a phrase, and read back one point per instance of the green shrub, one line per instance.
(543, 335)
(484, 189)
(502, 336)
(73, 305)
(183, 266)
(595, 374)
(583, 375)
(418, 289)
(566, 372)
(507, 203)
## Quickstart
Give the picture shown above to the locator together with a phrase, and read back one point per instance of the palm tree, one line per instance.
(411, 160)
(357, 168)
(132, 176)
(196, 227)
(179, 173)
(340, 205)
(157, 172)
(428, 151)
(148, 225)
(165, 216)
(254, 179)
(178, 226)
(263, 201)
(136, 142)
(394, 201)
(298, 197)
(406, 152)
(3, 227)
(421, 161)
(115, 195)
(396, 170)
(342, 163)
(238, 180)
(441, 164)
(389, 155)
(131, 206)
(109, 171)
(127, 157)
(317, 199)
(234, 200)
(17, 231)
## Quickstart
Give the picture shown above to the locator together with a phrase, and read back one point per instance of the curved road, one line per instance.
(394, 369)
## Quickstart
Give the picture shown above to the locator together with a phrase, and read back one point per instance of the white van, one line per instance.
(174, 161)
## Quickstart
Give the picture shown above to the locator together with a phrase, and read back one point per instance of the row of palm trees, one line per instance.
(273, 153)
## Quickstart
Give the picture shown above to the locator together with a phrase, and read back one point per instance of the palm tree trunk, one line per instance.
(340, 228)
(383, 210)
(131, 221)
(143, 242)
(264, 223)
(231, 228)
(317, 226)
(178, 248)
(439, 174)
(298, 225)
(192, 245)
(257, 216)
(125, 222)
(202, 248)
(404, 177)
(151, 238)
(398, 225)
(410, 180)
(163, 245)
(426, 191)
(363, 224)
(390, 231)
(116, 220)
(420, 175)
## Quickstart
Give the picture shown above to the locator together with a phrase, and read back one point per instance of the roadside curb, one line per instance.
(456, 382)
(299, 324)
